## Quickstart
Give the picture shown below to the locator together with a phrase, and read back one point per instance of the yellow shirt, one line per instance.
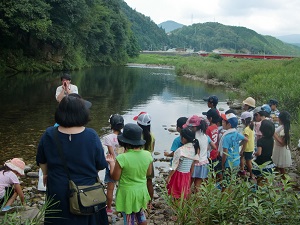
(250, 144)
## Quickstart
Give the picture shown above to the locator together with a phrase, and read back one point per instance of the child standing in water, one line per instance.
(281, 152)
(9, 182)
(179, 179)
(131, 169)
(111, 141)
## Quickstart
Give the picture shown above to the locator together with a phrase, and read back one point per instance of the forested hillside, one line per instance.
(63, 34)
(148, 34)
(211, 35)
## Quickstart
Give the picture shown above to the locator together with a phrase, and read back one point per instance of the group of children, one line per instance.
(206, 142)
(222, 144)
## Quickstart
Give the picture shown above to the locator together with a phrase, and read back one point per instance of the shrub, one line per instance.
(241, 203)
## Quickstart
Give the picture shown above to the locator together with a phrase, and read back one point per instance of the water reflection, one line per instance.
(28, 103)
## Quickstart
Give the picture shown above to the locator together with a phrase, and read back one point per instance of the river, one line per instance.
(28, 103)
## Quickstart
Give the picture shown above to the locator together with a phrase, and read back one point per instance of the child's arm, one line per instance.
(258, 152)
(279, 139)
(170, 175)
(18, 190)
(213, 145)
(44, 168)
(243, 144)
(115, 168)
(167, 154)
(192, 167)
(111, 151)
(224, 157)
(149, 171)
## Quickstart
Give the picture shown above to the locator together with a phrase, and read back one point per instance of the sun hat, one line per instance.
(230, 118)
(192, 121)
(212, 99)
(144, 119)
(246, 115)
(132, 134)
(16, 164)
(249, 101)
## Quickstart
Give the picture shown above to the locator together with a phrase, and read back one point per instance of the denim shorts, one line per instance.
(107, 178)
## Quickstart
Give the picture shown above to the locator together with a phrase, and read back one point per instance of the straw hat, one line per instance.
(249, 101)
(16, 164)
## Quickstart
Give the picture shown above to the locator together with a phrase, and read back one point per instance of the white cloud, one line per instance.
(272, 17)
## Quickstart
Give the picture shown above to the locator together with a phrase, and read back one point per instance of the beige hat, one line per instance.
(16, 164)
(249, 101)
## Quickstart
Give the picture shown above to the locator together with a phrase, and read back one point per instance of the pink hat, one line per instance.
(192, 121)
(16, 164)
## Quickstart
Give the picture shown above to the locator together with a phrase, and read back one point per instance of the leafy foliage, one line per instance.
(65, 34)
(148, 34)
(242, 202)
(210, 36)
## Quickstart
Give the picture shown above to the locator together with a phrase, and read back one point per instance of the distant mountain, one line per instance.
(211, 35)
(292, 38)
(149, 36)
(170, 25)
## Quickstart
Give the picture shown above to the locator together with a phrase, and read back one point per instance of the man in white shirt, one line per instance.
(66, 87)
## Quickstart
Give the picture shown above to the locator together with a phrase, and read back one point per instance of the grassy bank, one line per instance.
(261, 79)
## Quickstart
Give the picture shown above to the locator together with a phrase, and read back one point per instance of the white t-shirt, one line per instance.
(204, 140)
(112, 140)
(73, 88)
(7, 179)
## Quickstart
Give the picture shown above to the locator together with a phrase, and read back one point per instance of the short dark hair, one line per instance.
(65, 76)
(71, 112)
(267, 128)
(181, 121)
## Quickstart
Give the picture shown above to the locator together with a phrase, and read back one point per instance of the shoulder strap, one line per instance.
(59, 149)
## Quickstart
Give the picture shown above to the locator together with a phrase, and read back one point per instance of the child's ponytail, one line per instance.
(196, 145)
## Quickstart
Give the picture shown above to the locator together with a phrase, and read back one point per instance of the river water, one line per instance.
(28, 104)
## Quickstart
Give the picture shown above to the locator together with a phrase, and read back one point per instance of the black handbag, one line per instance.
(84, 199)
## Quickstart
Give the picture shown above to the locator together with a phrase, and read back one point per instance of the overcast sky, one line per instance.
(268, 17)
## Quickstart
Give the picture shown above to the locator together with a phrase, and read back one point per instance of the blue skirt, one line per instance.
(201, 171)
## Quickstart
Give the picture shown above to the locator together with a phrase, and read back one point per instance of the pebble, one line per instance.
(33, 174)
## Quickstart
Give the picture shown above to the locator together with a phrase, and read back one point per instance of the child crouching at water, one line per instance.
(179, 180)
(10, 187)
(131, 169)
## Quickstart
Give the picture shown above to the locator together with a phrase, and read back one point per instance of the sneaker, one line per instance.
(109, 212)
(6, 208)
